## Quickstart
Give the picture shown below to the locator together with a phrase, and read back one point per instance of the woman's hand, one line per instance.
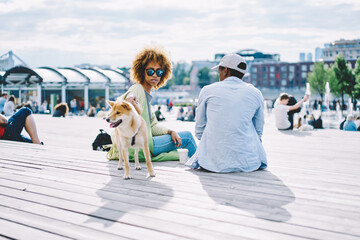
(175, 137)
(131, 99)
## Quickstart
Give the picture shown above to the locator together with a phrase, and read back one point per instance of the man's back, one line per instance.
(229, 122)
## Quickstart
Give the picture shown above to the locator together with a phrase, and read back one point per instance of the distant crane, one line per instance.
(7, 61)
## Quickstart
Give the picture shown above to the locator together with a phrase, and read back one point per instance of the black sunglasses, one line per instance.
(150, 71)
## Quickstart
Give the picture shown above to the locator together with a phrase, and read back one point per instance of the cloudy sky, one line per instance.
(60, 33)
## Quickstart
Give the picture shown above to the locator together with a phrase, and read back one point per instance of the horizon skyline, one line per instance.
(60, 33)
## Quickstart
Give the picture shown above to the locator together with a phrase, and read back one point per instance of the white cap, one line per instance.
(233, 61)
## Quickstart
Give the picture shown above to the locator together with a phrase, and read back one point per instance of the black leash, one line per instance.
(133, 138)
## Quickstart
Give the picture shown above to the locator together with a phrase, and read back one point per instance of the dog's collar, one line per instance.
(133, 138)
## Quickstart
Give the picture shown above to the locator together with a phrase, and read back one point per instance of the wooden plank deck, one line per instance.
(63, 190)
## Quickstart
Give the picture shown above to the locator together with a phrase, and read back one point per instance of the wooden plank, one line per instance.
(310, 191)
(14, 230)
(273, 194)
(34, 221)
(180, 218)
(191, 211)
(77, 217)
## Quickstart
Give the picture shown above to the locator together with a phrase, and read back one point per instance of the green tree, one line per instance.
(333, 81)
(180, 73)
(204, 77)
(356, 92)
(186, 81)
(344, 76)
(317, 79)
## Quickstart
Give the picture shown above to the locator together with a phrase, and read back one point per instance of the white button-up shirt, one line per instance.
(229, 125)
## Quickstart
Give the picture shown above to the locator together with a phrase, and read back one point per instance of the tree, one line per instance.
(317, 79)
(333, 81)
(344, 77)
(180, 73)
(204, 77)
(356, 92)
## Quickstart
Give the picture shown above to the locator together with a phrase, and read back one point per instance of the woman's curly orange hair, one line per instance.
(144, 57)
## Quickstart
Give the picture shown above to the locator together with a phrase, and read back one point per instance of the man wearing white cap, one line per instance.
(229, 122)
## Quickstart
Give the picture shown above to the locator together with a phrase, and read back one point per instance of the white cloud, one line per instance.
(110, 32)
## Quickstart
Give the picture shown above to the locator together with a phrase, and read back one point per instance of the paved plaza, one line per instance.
(64, 190)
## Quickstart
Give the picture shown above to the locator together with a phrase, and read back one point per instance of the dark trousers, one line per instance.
(292, 101)
(15, 126)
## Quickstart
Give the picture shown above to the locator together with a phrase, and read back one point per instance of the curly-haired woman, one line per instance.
(151, 69)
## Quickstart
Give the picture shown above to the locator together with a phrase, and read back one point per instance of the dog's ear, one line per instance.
(111, 103)
(126, 105)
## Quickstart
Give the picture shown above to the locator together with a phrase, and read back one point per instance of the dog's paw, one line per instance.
(153, 174)
(120, 168)
(138, 167)
(126, 177)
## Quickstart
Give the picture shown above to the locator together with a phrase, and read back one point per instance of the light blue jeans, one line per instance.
(164, 143)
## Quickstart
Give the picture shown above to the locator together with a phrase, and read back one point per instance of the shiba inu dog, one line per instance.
(130, 132)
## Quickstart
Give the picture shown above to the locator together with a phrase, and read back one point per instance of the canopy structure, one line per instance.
(21, 75)
(117, 76)
(51, 75)
(67, 82)
(95, 75)
(73, 76)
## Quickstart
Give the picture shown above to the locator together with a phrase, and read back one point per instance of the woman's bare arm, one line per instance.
(3, 120)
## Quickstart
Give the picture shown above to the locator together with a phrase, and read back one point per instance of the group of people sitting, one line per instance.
(286, 106)
(62, 109)
(308, 123)
(284, 109)
(186, 116)
(229, 117)
(351, 123)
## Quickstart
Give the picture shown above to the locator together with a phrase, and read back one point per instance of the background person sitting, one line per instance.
(302, 125)
(281, 110)
(101, 113)
(357, 122)
(3, 100)
(60, 110)
(11, 129)
(91, 112)
(350, 125)
(9, 107)
(190, 115)
(292, 101)
(159, 115)
(180, 115)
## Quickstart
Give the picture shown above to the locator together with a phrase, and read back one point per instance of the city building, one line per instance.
(350, 49)
(284, 75)
(251, 56)
(309, 57)
(302, 57)
(319, 55)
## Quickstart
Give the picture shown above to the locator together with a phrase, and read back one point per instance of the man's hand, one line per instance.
(176, 138)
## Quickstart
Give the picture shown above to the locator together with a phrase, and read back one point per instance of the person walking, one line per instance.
(229, 122)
